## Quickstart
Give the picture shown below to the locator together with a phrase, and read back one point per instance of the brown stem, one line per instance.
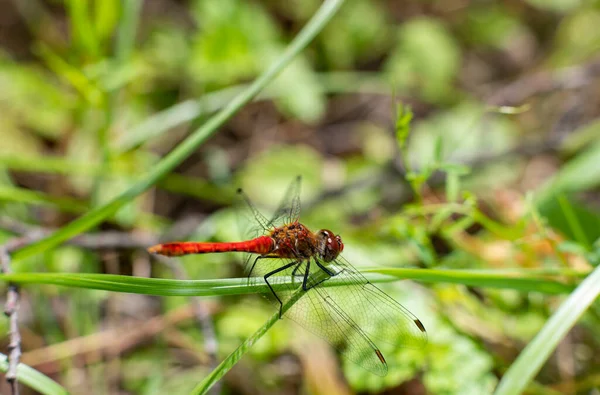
(11, 310)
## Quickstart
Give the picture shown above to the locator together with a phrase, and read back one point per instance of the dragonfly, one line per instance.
(353, 317)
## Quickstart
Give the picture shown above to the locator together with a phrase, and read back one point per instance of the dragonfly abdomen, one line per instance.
(260, 245)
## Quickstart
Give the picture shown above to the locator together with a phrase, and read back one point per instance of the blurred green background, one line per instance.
(430, 134)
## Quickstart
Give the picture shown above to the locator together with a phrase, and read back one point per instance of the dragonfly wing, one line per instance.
(289, 208)
(352, 317)
(316, 311)
(251, 222)
(319, 313)
(374, 311)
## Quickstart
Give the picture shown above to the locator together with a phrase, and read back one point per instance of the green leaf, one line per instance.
(426, 59)
(404, 116)
(573, 219)
(537, 352)
(82, 32)
(521, 280)
(22, 195)
(576, 175)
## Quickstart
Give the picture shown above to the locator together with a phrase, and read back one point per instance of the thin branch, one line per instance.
(544, 82)
(11, 310)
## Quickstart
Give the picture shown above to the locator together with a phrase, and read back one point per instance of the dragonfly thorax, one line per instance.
(297, 241)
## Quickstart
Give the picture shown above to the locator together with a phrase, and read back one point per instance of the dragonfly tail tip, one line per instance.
(154, 249)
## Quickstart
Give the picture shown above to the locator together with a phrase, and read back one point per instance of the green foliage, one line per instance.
(577, 37)
(425, 60)
(126, 98)
(361, 31)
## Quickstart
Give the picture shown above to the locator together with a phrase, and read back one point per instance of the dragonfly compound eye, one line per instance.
(331, 245)
(339, 240)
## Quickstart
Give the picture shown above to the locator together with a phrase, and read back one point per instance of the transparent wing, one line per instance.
(353, 318)
(289, 208)
(253, 224)
(375, 312)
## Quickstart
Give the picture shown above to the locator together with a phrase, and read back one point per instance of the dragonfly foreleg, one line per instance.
(256, 260)
(271, 288)
(306, 274)
(254, 264)
(295, 271)
(329, 272)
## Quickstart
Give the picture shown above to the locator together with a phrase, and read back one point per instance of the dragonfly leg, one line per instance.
(295, 271)
(326, 270)
(271, 288)
(254, 264)
(329, 272)
(306, 274)
(256, 261)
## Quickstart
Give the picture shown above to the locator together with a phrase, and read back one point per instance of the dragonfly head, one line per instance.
(330, 245)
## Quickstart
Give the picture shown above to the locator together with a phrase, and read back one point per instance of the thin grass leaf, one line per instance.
(33, 379)
(235, 356)
(190, 144)
(520, 280)
(71, 75)
(127, 29)
(574, 224)
(27, 196)
(81, 32)
(537, 352)
(186, 111)
(191, 186)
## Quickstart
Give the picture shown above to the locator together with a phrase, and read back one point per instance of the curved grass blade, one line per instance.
(192, 186)
(239, 286)
(27, 196)
(530, 361)
(190, 144)
(520, 280)
(33, 379)
(235, 356)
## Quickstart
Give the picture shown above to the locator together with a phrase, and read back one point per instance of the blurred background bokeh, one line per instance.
(498, 169)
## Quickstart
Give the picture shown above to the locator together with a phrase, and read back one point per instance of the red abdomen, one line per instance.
(261, 245)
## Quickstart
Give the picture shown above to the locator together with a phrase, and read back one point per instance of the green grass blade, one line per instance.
(235, 286)
(71, 75)
(572, 221)
(530, 361)
(210, 380)
(33, 379)
(127, 29)
(234, 357)
(82, 32)
(519, 280)
(186, 111)
(191, 186)
(189, 145)
(27, 196)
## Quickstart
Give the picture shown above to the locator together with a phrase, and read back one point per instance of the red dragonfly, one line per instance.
(351, 317)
